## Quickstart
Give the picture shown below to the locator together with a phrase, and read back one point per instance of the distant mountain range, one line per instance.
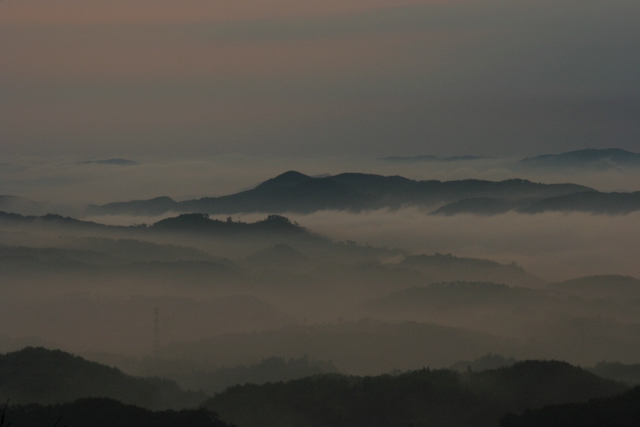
(594, 202)
(185, 223)
(584, 159)
(21, 205)
(589, 159)
(295, 192)
(112, 162)
(431, 158)
(298, 193)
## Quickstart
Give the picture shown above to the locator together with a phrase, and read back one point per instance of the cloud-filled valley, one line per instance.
(334, 214)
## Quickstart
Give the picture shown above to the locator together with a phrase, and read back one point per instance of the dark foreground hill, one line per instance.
(37, 375)
(296, 192)
(96, 412)
(417, 398)
(617, 411)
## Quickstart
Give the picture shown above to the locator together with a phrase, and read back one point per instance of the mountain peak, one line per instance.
(588, 157)
(286, 179)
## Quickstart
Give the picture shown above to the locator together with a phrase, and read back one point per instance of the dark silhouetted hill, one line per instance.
(536, 383)
(296, 192)
(485, 363)
(626, 373)
(361, 347)
(271, 369)
(112, 162)
(617, 411)
(584, 159)
(415, 398)
(37, 375)
(430, 158)
(593, 202)
(21, 206)
(197, 223)
(477, 206)
(163, 260)
(454, 296)
(100, 412)
(602, 286)
(201, 223)
(588, 340)
(49, 220)
(155, 206)
(589, 201)
(447, 267)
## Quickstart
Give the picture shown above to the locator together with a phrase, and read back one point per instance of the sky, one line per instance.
(183, 80)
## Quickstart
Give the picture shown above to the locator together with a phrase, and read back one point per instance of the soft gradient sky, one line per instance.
(184, 79)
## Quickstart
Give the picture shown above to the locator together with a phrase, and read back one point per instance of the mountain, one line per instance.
(37, 375)
(594, 202)
(601, 286)
(478, 206)
(589, 201)
(8, 218)
(363, 347)
(21, 205)
(484, 363)
(201, 223)
(415, 398)
(454, 296)
(430, 158)
(153, 207)
(618, 411)
(271, 369)
(101, 412)
(112, 162)
(626, 373)
(296, 192)
(447, 268)
(584, 159)
(195, 223)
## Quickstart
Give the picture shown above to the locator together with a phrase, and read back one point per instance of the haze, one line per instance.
(228, 192)
(185, 79)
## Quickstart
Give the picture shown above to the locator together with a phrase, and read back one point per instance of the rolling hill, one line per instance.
(295, 192)
(38, 375)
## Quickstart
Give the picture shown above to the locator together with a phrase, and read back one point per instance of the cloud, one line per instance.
(552, 246)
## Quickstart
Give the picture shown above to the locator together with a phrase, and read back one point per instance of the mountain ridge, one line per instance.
(591, 158)
(355, 192)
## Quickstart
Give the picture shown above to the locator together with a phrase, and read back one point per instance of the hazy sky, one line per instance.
(191, 78)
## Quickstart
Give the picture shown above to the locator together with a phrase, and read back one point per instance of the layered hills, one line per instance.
(38, 375)
(48, 387)
(299, 193)
(598, 159)
(419, 398)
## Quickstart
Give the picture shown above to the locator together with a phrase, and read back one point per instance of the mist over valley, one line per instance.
(346, 213)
